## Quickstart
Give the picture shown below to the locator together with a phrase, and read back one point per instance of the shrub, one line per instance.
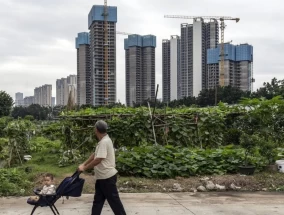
(232, 136)
(13, 182)
(4, 151)
(3, 123)
(39, 144)
(170, 161)
(248, 142)
(29, 117)
(268, 149)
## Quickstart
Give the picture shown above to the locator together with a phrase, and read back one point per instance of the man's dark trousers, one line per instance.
(106, 190)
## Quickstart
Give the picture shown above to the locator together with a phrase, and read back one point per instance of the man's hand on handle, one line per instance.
(81, 168)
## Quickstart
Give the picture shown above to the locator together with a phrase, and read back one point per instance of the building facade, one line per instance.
(61, 91)
(29, 100)
(171, 69)
(84, 77)
(237, 68)
(43, 94)
(53, 101)
(19, 99)
(97, 44)
(140, 68)
(196, 38)
(64, 87)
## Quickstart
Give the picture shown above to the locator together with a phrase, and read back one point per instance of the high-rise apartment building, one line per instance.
(52, 101)
(237, 67)
(171, 69)
(19, 99)
(61, 91)
(140, 68)
(43, 94)
(196, 38)
(72, 87)
(63, 88)
(29, 100)
(84, 78)
(97, 44)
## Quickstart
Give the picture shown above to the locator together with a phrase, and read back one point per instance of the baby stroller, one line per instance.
(69, 187)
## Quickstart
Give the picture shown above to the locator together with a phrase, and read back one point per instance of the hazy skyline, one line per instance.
(37, 37)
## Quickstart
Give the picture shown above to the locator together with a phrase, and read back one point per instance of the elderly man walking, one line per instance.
(103, 162)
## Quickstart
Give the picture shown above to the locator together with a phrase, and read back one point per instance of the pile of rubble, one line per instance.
(206, 185)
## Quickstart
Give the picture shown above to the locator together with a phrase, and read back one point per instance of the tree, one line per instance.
(19, 111)
(6, 103)
(270, 90)
(38, 112)
(227, 94)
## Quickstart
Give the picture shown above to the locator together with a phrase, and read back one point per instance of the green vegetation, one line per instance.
(190, 141)
(170, 162)
(6, 103)
(13, 182)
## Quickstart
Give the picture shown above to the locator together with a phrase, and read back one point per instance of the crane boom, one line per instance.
(123, 33)
(195, 17)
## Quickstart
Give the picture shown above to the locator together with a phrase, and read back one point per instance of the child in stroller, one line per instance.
(48, 188)
(69, 187)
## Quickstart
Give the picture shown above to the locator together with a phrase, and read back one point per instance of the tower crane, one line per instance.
(122, 33)
(222, 20)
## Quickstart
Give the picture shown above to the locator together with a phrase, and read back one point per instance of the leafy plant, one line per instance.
(248, 142)
(169, 161)
(70, 157)
(3, 123)
(19, 133)
(232, 136)
(39, 144)
(268, 149)
(13, 182)
(29, 117)
(4, 152)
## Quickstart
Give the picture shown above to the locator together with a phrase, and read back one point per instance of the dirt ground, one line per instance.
(259, 182)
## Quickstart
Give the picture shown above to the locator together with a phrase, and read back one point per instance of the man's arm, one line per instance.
(81, 168)
(93, 163)
(90, 159)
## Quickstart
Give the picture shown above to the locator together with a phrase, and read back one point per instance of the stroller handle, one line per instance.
(76, 174)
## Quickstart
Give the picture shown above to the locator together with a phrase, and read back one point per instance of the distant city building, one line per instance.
(97, 44)
(63, 88)
(52, 101)
(84, 77)
(237, 67)
(29, 100)
(140, 68)
(196, 38)
(43, 94)
(61, 91)
(19, 99)
(171, 69)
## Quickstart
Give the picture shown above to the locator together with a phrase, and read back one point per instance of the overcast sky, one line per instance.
(37, 36)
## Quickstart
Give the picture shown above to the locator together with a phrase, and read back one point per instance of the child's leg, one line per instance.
(34, 198)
